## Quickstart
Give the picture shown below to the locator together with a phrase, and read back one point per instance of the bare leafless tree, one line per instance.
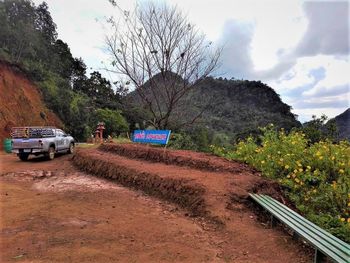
(162, 55)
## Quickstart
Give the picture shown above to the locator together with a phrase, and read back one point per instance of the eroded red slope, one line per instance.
(21, 102)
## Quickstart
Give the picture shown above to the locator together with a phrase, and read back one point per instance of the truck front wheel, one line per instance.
(23, 156)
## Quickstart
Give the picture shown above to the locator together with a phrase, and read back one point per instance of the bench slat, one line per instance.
(305, 233)
(326, 235)
(310, 236)
(334, 246)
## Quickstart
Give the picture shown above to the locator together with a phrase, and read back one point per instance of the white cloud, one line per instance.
(316, 85)
(274, 39)
(306, 114)
(296, 77)
(337, 74)
(270, 40)
(328, 28)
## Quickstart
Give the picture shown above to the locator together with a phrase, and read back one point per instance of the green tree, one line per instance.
(19, 37)
(46, 33)
(222, 140)
(78, 77)
(100, 91)
(45, 24)
(200, 137)
(79, 116)
(63, 60)
(114, 121)
(317, 129)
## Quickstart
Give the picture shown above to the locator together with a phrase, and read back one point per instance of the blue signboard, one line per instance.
(151, 136)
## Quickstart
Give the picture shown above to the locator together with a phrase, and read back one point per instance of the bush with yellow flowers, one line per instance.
(315, 177)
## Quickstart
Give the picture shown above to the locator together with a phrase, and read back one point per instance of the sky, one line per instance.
(299, 48)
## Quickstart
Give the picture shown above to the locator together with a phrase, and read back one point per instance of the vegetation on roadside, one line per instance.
(87, 145)
(122, 140)
(28, 39)
(316, 177)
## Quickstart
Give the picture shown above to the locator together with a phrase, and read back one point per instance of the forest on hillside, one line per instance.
(29, 39)
(213, 111)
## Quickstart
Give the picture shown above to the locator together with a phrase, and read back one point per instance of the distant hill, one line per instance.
(233, 107)
(343, 124)
(21, 102)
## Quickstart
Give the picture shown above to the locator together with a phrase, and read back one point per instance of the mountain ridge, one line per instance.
(233, 107)
(342, 122)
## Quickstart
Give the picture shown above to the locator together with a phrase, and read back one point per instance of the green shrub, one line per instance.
(115, 123)
(181, 141)
(315, 177)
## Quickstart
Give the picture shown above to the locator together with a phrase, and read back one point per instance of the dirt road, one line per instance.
(67, 216)
(51, 212)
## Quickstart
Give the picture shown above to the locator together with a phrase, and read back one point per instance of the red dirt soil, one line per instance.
(63, 215)
(192, 159)
(50, 212)
(20, 102)
(222, 198)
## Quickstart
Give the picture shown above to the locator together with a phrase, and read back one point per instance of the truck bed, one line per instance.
(32, 132)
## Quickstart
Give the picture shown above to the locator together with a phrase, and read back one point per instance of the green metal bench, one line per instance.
(325, 244)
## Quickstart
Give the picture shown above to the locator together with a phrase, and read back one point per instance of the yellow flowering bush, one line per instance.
(315, 177)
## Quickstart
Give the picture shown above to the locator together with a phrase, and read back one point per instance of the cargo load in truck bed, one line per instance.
(32, 132)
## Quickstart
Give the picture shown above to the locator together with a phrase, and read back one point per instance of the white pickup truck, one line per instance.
(40, 140)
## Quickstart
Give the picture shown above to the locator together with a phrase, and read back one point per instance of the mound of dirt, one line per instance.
(196, 160)
(21, 103)
(221, 199)
(199, 191)
(179, 191)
